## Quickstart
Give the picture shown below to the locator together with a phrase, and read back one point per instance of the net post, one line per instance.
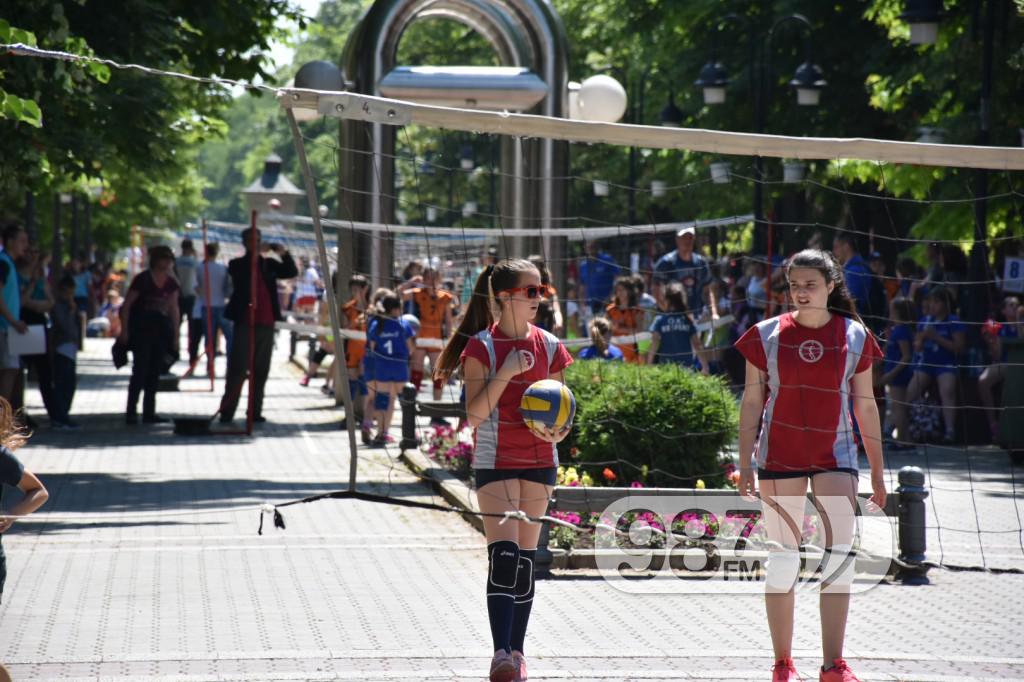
(912, 529)
(211, 346)
(254, 281)
(341, 382)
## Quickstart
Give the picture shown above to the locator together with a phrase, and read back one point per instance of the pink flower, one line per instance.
(636, 484)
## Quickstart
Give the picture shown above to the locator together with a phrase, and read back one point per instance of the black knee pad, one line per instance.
(502, 568)
(524, 576)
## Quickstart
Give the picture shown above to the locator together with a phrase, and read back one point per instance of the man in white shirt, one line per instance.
(209, 317)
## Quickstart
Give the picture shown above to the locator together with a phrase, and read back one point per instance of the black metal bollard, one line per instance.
(543, 558)
(407, 400)
(912, 528)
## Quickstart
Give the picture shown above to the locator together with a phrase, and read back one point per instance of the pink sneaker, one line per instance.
(304, 381)
(503, 669)
(520, 663)
(785, 671)
(839, 672)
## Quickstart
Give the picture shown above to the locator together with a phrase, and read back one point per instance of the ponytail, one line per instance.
(480, 311)
(479, 316)
(600, 329)
(840, 301)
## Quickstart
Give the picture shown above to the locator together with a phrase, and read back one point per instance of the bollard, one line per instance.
(543, 558)
(912, 529)
(407, 400)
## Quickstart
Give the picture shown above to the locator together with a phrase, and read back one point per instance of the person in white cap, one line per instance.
(686, 267)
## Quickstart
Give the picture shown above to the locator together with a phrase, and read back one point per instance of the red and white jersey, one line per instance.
(503, 440)
(807, 424)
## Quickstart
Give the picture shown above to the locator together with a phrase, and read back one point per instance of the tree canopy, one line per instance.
(167, 149)
(133, 136)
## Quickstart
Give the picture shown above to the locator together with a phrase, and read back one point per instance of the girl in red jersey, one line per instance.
(501, 354)
(803, 370)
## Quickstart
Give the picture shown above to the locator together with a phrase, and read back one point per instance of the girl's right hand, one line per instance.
(747, 485)
(516, 362)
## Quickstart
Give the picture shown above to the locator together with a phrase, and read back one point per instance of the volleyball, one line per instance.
(413, 322)
(548, 403)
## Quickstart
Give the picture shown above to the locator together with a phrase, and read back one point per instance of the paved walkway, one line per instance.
(159, 584)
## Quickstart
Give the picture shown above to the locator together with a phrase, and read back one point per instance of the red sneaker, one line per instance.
(304, 381)
(502, 667)
(785, 671)
(839, 672)
(520, 662)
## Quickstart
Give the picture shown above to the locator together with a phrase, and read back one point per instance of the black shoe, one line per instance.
(154, 419)
(31, 423)
(259, 420)
(226, 420)
(378, 442)
(131, 418)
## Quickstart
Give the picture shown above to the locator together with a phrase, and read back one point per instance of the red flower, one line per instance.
(609, 475)
(574, 452)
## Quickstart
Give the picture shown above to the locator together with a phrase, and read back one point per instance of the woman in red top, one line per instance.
(501, 354)
(149, 326)
(804, 368)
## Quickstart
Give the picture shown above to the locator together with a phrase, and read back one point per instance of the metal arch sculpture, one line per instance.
(527, 34)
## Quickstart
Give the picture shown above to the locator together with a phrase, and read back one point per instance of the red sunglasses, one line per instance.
(539, 291)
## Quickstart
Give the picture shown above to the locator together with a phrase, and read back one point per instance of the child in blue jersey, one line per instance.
(600, 347)
(940, 337)
(674, 336)
(898, 369)
(389, 342)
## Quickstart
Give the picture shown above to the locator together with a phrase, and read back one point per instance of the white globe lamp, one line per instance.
(602, 99)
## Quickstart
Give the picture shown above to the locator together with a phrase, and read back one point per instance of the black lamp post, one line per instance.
(923, 17)
(807, 83)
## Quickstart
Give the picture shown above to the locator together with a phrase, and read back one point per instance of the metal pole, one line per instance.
(340, 373)
(757, 89)
(979, 305)
(74, 226)
(254, 281)
(56, 246)
(211, 341)
(87, 232)
(30, 215)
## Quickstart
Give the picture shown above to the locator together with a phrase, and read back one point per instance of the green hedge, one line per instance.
(666, 418)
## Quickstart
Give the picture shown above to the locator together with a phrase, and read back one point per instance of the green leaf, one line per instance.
(31, 113)
(100, 72)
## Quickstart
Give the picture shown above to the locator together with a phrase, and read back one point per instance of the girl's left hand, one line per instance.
(552, 436)
(878, 493)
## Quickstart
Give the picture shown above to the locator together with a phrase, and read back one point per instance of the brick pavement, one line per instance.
(358, 591)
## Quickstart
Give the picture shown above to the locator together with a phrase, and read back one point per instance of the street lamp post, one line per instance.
(807, 82)
(923, 17)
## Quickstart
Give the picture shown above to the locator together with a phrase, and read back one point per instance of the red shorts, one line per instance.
(306, 301)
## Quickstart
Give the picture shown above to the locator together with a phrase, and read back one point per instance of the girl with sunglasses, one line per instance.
(501, 354)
